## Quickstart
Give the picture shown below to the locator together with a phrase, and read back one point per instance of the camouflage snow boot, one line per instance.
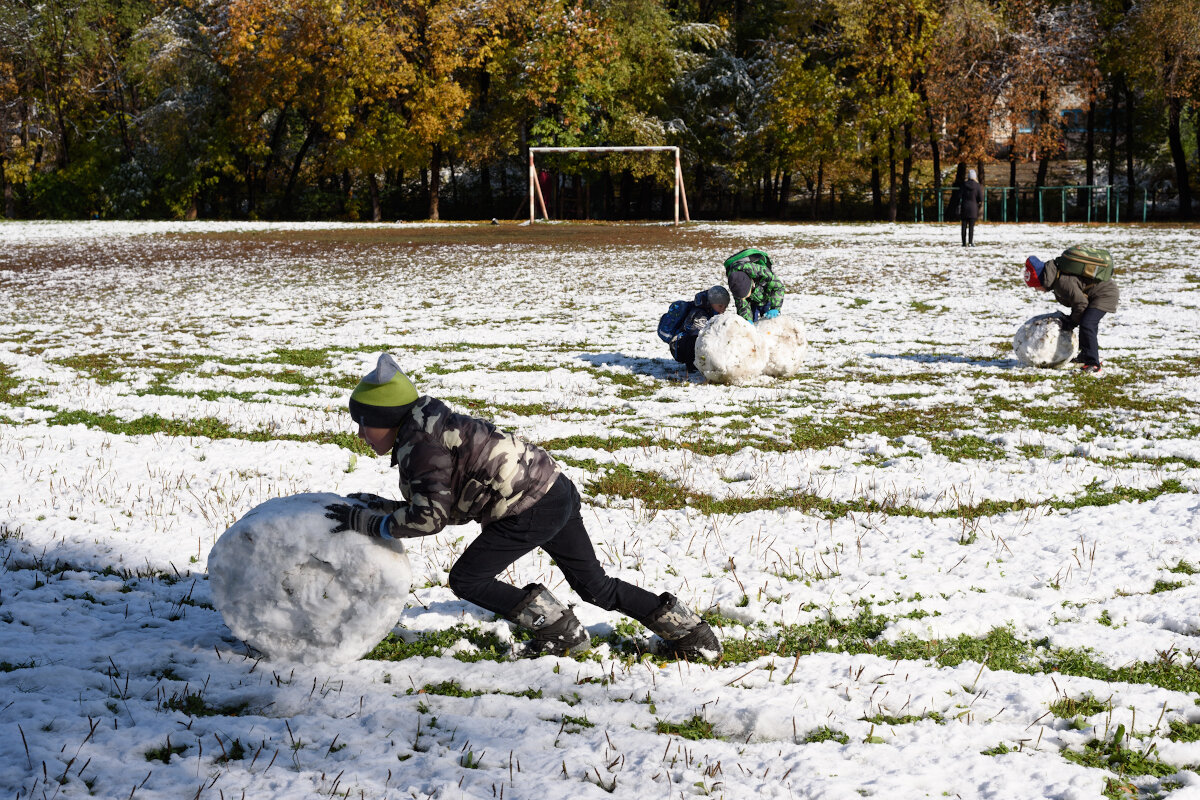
(556, 631)
(685, 634)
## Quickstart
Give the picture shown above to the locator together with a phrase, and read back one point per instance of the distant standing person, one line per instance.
(970, 200)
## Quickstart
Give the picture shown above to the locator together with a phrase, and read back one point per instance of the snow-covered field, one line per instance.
(935, 572)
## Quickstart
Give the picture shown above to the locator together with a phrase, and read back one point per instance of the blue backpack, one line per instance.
(671, 323)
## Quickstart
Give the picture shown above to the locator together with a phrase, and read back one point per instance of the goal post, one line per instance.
(535, 189)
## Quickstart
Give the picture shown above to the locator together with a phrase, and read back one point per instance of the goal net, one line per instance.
(535, 189)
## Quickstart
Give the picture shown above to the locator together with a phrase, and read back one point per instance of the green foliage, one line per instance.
(194, 705)
(434, 643)
(825, 734)
(165, 752)
(694, 728)
(449, 688)
(1113, 753)
(1086, 706)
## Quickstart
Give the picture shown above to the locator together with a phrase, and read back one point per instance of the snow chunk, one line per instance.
(1040, 342)
(786, 344)
(295, 591)
(730, 350)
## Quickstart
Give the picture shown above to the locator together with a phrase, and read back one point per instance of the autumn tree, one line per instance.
(1170, 67)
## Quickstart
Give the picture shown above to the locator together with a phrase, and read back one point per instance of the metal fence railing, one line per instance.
(1049, 203)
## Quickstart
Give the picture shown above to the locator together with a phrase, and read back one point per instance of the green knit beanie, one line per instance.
(383, 397)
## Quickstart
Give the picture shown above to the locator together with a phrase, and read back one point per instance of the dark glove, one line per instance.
(375, 502)
(357, 518)
(1067, 324)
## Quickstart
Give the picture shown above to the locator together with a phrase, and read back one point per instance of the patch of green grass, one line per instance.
(1184, 568)
(967, 447)
(236, 752)
(998, 750)
(435, 643)
(303, 357)
(209, 427)
(1181, 731)
(450, 688)
(194, 705)
(999, 649)
(1086, 706)
(165, 752)
(695, 728)
(904, 719)
(826, 734)
(1166, 586)
(8, 388)
(1112, 753)
(659, 493)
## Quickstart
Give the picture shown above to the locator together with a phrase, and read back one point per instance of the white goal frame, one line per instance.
(535, 189)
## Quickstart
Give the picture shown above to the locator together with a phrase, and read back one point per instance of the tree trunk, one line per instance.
(373, 188)
(1091, 143)
(1175, 138)
(1130, 180)
(892, 198)
(906, 172)
(295, 172)
(435, 181)
(785, 191)
(816, 206)
(934, 148)
(1012, 174)
(485, 191)
(1114, 88)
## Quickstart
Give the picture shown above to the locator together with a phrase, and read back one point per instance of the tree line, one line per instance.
(387, 109)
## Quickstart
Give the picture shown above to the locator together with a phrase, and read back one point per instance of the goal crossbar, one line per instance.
(535, 189)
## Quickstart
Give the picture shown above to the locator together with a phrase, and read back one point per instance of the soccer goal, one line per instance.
(535, 189)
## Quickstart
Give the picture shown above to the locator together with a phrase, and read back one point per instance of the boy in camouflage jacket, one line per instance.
(456, 469)
(757, 293)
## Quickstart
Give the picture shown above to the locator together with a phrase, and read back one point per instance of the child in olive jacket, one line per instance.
(1089, 298)
(456, 469)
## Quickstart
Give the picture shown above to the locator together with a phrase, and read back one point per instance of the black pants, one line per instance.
(1089, 336)
(968, 231)
(555, 525)
(684, 351)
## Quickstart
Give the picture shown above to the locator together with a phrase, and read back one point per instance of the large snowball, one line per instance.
(730, 350)
(1040, 342)
(296, 592)
(786, 345)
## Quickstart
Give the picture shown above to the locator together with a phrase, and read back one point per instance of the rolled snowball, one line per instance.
(730, 350)
(1041, 342)
(296, 592)
(786, 345)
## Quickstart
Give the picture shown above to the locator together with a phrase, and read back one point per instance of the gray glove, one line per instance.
(357, 518)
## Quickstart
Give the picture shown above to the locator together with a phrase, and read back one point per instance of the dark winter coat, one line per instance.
(697, 316)
(456, 469)
(766, 294)
(1079, 293)
(970, 198)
